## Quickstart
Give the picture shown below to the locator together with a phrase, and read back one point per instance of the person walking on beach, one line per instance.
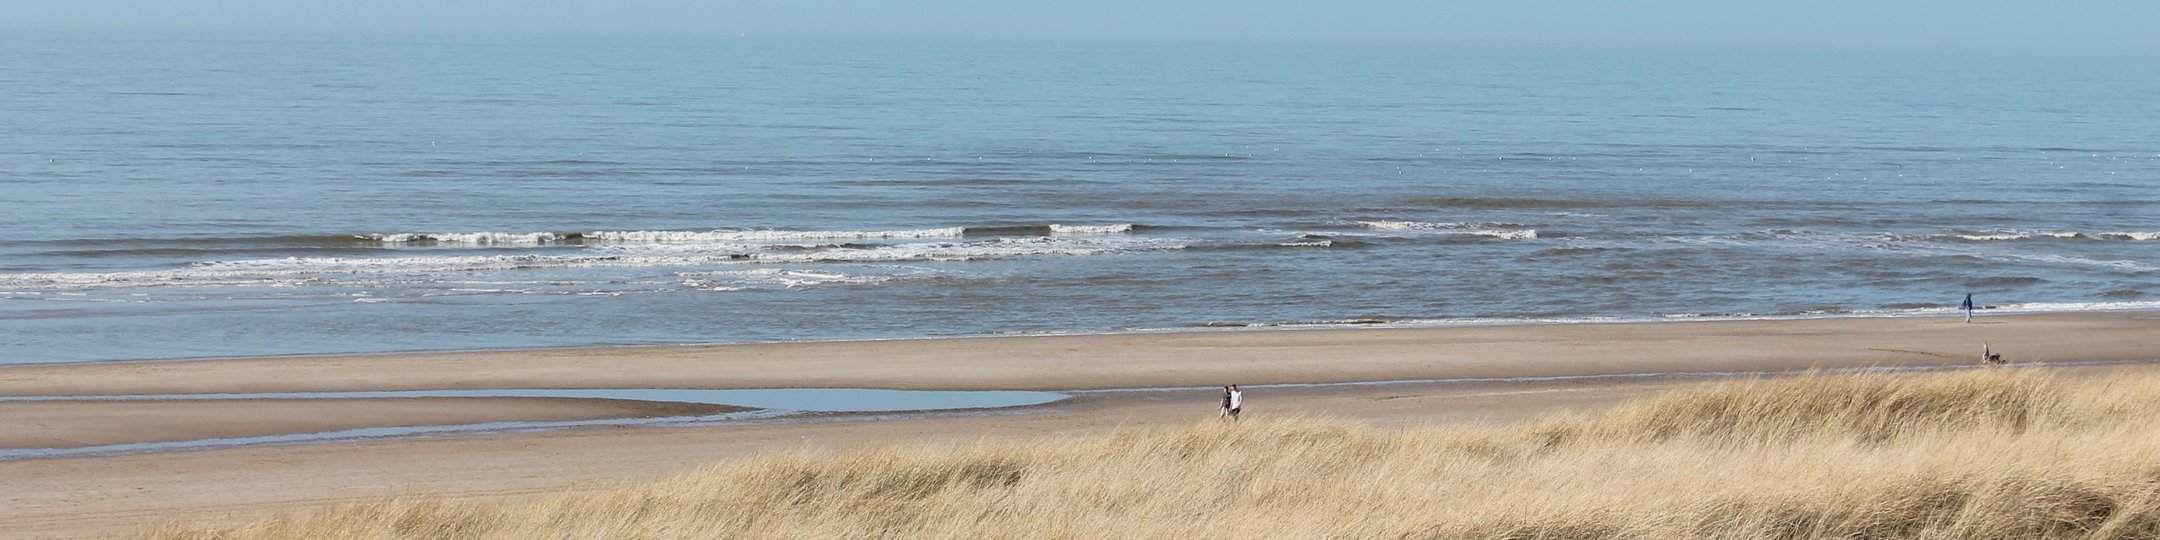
(1237, 401)
(1968, 308)
(1225, 413)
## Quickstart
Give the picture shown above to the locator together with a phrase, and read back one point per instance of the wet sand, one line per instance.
(1151, 360)
(68, 424)
(102, 495)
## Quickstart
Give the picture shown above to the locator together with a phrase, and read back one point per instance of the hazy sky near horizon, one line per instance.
(1983, 25)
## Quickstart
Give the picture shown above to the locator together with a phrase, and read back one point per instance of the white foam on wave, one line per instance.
(1950, 309)
(474, 238)
(2117, 264)
(1490, 230)
(2005, 235)
(786, 278)
(292, 271)
(1522, 234)
(1389, 225)
(766, 235)
(1943, 311)
(1121, 228)
(964, 251)
(2016, 235)
(1998, 236)
(994, 248)
(2053, 307)
(661, 237)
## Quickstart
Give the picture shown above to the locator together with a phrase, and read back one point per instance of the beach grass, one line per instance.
(1981, 454)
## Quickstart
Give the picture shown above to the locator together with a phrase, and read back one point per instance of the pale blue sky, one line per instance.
(1982, 25)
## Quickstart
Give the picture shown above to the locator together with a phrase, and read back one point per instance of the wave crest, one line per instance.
(1120, 228)
(314, 270)
(473, 238)
(1489, 230)
(765, 235)
(2008, 235)
(732, 235)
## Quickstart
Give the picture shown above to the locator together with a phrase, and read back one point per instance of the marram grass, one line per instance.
(1981, 455)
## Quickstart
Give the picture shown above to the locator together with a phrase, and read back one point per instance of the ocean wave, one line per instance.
(777, 277)
(2016, 236)
(1525, 234)
(1944, 310)
(2008, 235)
(998, 248)
(1477, 229)
(290, 271)
(1842, 240)
(474, 238)
(2002, 281)
(1528, 203)
(2026, 307)
(2116, 264)
(1120, 228)
(767, 235)
(733, 235)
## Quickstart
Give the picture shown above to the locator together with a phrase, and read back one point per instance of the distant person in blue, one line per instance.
(1968, 308)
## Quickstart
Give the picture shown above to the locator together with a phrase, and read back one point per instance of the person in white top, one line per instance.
(1237, 401)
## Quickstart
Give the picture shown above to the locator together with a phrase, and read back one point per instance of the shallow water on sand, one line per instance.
(771, 405)
(781, 399)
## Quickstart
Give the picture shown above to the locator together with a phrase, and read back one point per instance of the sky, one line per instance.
(2117, 26)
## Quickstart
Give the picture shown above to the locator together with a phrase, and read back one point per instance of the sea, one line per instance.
(214, 195)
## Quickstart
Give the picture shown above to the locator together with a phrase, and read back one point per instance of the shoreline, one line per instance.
(1133, 360)
(2150, 308)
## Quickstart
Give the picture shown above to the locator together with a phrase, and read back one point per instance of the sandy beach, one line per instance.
(87, 496)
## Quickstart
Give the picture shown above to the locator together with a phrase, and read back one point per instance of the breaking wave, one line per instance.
(655, 237)
(476, 238)
(732, 235)
(1892, 311)
(1526, 203)
(787, 278)
(1476, 229)
(2015, 236)
(309, 270)
(2005, 235)
(1120, 228)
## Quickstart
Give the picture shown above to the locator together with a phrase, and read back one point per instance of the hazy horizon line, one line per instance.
(1523, 45)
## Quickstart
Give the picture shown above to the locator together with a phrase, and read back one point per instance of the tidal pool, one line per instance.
(771, 405)
(779, 399)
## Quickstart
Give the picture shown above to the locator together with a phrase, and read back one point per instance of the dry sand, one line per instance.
(102, 495)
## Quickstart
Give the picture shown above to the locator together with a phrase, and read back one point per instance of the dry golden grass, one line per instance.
(1981, 455)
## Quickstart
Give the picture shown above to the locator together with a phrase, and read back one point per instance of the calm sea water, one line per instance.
(187, 196)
